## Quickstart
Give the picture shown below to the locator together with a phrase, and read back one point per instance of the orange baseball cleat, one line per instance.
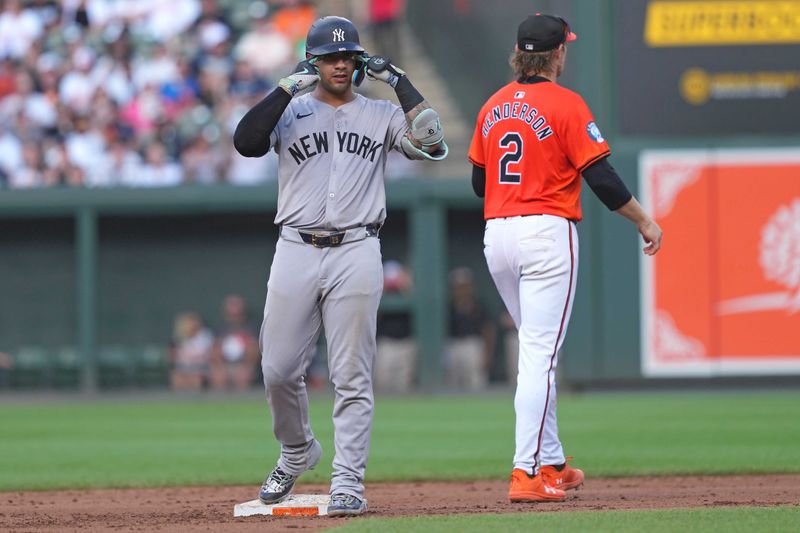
(567, 478)
(527, 488)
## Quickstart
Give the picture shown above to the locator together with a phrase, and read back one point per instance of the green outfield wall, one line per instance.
(98, 269)
(95, 269)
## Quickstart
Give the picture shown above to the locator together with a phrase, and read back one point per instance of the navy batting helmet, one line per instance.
(329, 35)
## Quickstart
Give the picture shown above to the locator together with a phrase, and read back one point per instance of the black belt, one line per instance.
(335, 238)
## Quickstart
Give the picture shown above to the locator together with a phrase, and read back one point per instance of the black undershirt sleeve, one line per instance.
(601, 177)
(408, 96)
(606, 184)
(251, 138)
(479, 181)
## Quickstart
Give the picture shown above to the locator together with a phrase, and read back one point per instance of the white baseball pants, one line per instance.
(534, 263)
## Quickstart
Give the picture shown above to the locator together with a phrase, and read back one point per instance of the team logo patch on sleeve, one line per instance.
(594, 132)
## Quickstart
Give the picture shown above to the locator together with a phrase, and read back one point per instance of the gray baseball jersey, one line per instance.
(332, 161)
(331, 167)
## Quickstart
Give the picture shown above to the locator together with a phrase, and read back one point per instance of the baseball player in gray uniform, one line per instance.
(332, 146)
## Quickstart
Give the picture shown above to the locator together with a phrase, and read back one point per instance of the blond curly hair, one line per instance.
(525, 64)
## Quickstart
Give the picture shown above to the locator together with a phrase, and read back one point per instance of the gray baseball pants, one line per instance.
(338, 288)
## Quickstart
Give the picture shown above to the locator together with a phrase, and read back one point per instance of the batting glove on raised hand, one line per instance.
(304, 77)
(380, 68)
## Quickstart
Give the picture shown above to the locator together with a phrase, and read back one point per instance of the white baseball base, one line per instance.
(294, 505)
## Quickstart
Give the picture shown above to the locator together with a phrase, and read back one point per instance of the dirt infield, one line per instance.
(211, 508)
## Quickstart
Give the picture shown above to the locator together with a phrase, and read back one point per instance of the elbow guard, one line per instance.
(426, 129)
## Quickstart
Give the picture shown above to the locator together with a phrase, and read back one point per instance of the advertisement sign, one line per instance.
(723, 67)
(722, 297)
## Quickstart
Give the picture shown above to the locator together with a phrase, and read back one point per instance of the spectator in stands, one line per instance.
(84, 12)
(396, 359)
(214, 80)
(47, 81)
(59, 170)
(119, 165)
(236, 355)
(78, 86)
(246, 83)
(180, 94)
(56, 31)
(29, 174)
(47, 11)
(114, 70)
(214, 40)
(143, 113)
(85, 145)
(8, 77)
(471, 335)
(159, 21)
(267, 49)
(10, 152)
(15, 102)
(211, 10)
(156, 69)
(23, 127)
(19, 28)
(190, 353)
(202, 161)
(104, 115)
(41, 107)
(158, 170)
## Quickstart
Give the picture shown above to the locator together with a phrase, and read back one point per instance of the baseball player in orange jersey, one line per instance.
(533, 140)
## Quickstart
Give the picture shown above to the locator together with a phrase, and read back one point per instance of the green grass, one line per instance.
(723, 520)
(214, 441)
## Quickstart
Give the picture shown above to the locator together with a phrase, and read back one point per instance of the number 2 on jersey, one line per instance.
(513, 141)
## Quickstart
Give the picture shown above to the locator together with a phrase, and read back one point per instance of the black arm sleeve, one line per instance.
(479, 181)
(408, 96)
(606, 184)
(251, 138)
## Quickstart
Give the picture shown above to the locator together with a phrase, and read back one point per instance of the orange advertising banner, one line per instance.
(722, 297)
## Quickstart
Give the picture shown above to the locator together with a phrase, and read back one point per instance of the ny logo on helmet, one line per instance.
(338, 35)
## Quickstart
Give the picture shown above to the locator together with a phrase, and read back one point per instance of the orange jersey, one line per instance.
(534, 140)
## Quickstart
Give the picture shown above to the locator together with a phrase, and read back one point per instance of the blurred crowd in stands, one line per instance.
(145, 93)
